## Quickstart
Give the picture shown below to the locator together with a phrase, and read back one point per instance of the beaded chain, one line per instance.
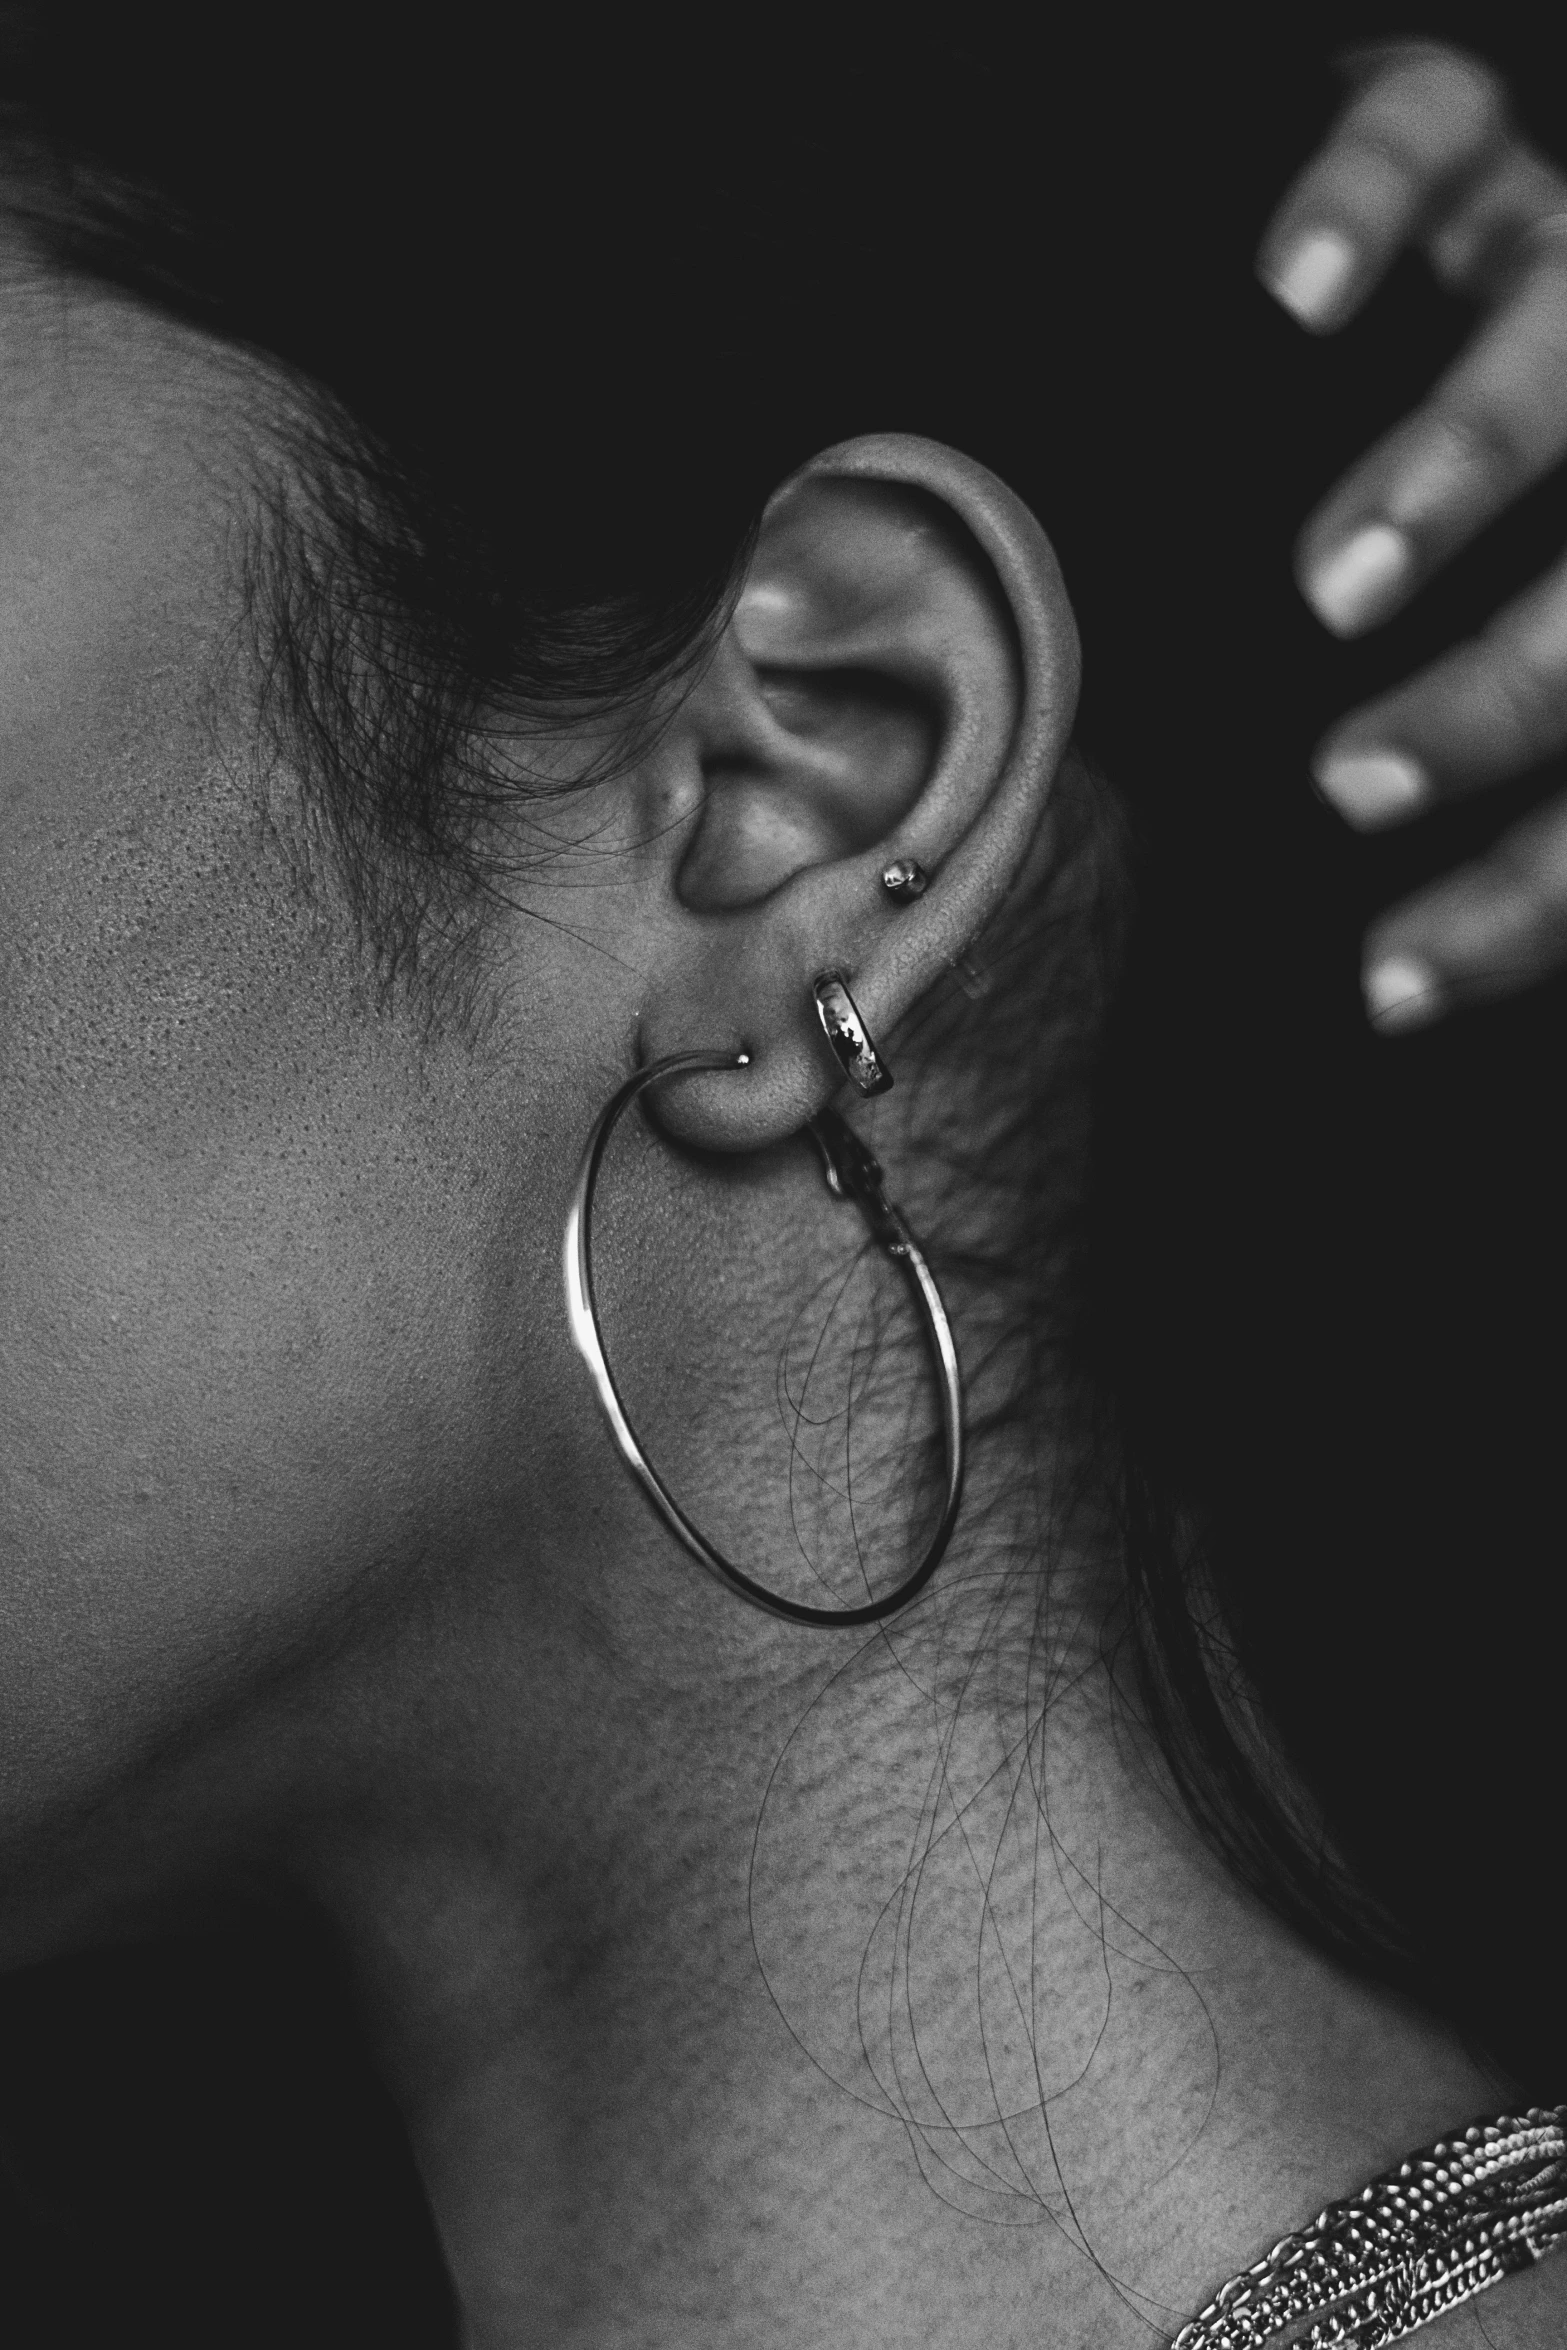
(1418, 2240)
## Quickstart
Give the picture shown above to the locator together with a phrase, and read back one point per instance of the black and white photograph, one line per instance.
(783, 1177)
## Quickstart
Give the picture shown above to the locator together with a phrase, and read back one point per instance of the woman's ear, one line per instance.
(898, 681)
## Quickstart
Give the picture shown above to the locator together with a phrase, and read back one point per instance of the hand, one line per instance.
(1425, 155)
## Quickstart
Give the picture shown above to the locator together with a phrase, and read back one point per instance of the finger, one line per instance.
(1492, 708)
(1489, 930)
(1426, 119)
(1496, 423)
(1473, 247)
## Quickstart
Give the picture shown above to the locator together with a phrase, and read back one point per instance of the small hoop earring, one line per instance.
(851, 1173)
(847, 1034)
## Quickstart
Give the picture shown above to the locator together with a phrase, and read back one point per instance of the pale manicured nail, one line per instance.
(1354, 585)
(1311, 280)
(1372, 788)
(1402, 992)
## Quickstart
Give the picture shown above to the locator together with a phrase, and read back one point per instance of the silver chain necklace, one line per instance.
(1422, 2238)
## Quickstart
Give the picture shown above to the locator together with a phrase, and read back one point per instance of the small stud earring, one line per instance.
(905, 880)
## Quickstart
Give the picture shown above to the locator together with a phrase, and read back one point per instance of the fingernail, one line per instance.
(1401, 992)
(1310, 281)
(1372, 788)
(1352, 587)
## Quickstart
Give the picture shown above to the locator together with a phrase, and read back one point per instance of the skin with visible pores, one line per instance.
(196, 1254)
(319, 1575)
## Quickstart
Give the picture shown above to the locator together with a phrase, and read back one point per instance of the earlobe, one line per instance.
(896, 687)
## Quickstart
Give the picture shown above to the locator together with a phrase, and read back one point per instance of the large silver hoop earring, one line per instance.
(851, 1173)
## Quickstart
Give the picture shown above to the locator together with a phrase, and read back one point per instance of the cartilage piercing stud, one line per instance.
(904, 880)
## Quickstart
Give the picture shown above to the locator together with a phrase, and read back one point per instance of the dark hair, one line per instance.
(513, 507)
(566, 309)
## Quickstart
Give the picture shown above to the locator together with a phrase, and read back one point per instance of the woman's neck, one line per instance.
(883, 1999)
(744, 1984)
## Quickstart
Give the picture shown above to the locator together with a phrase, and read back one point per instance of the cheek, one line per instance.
(236, 1411)
(269, 1323)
